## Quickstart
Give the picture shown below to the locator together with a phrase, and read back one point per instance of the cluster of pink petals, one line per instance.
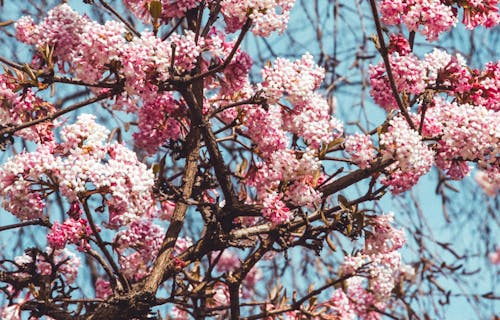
(62, 29)
(72, 231)
(266, 129)
(382, 262)
(91, 49)
(299, 174)
(399, 44)
(413, 157)
(267, 15)
(469, 133)
(138, 246)
(409, 76)
(275, 210)
(360, 148)
(294, 80)
(102, 289)
(480, 13)
(81, 163)
(159, 121)
(429, 17)
(23, 106)
(434, 17)
(170, 8)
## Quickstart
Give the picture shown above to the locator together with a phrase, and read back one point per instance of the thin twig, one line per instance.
(385, 56)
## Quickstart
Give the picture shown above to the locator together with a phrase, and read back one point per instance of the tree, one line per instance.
(168, 184)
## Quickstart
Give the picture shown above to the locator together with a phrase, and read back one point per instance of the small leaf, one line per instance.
(155, 9)
(343, 202)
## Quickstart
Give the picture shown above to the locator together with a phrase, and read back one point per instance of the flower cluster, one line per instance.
(429, 17)
(434, 17)
(380, 262)
(72, 231)
(170, 8)
(23, 107)
(80, 164)
(469, 133)
(413, 157)
(144, 238)
(266, 15)
(361, 149)
(275, 210)
(409, 77)
(159, 120)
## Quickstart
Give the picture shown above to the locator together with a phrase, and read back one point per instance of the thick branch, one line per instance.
(354, 177)
(164, 260)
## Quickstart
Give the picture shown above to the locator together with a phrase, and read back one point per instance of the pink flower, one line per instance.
(428, 17)
(414, 158)
(361, 149)
(102, 289)
(495, 256)
(267, 15)
(72, 231)
(275, 210)
(409, 76)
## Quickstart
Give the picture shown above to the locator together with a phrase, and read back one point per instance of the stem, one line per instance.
(122, 19)
(102, 246)
(383, 51)
(55, 115)
(35, 222)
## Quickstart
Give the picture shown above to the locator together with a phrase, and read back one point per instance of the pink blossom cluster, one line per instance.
(267, 15)
(294, 80)
(275, 210)
(102, 289)
(436, 70)
(80, 164)
(72, 231)
(144, 238)
(413, 157)
(270, 130)
(409, 77)
(300, 175)
(170, 8)
(382, 264)
(159, 120)
(360, 148)
(469, 133)
(480, 13)
(429, 17)
(91, 49)
(434, 17)
(309, 117)
(17, 108)
(62, 29)
(489, 183)
(473, 86)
